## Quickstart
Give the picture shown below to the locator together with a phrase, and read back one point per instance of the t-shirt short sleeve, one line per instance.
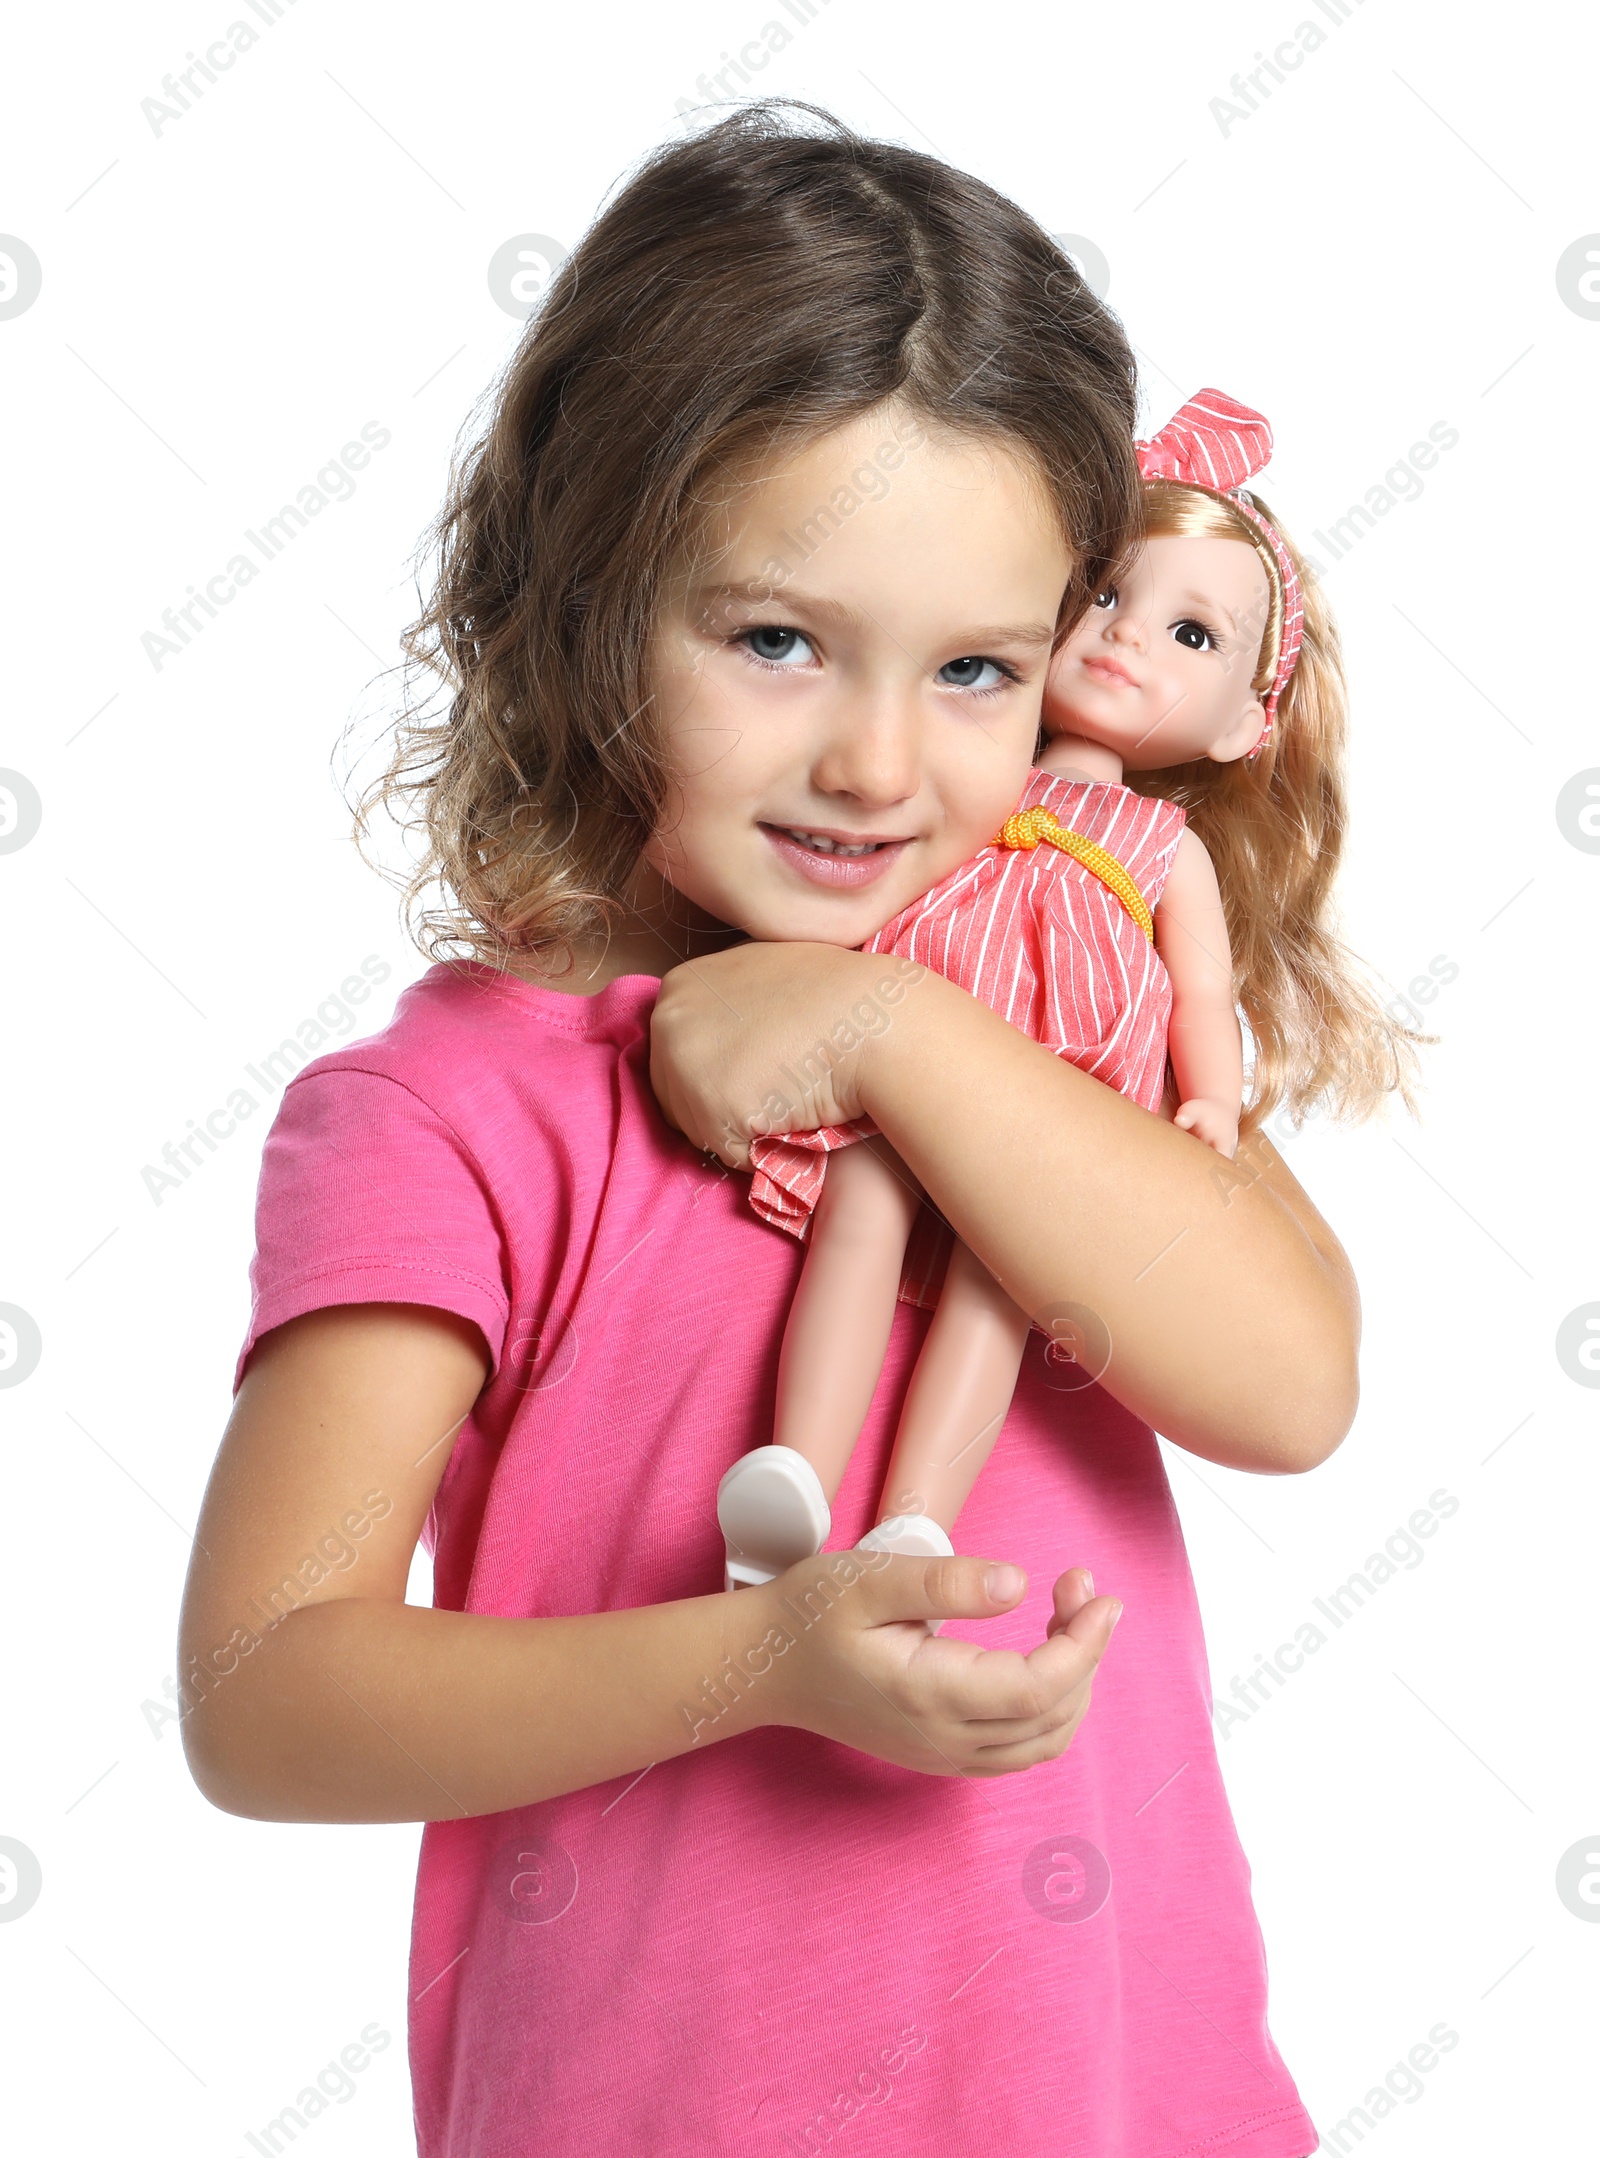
(367, 1196)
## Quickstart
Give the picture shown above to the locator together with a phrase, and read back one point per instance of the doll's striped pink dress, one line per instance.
(1045, 943)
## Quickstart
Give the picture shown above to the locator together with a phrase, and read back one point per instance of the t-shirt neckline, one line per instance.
(568, 1008)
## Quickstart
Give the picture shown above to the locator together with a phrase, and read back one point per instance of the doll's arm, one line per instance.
(1203, 1042)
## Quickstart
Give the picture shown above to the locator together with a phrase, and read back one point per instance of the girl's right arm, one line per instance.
(321, 1695)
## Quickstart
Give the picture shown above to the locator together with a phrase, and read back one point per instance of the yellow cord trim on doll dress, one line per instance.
(1027, 827)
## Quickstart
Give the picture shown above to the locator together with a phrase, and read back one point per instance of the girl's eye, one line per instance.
(775, 646)
(1107, 598)
(785, 650)
(965, 673)
(1194, 635)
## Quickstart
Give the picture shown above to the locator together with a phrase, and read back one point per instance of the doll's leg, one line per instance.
(957, 1400)
(773, 1504)
(843, 1310)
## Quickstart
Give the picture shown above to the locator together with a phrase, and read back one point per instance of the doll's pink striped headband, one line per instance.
(1214, 443)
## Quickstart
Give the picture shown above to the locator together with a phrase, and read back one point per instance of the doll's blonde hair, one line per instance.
(1274, 826)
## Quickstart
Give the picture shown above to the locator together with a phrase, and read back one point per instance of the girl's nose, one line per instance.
(873, 752)
(1126, 627)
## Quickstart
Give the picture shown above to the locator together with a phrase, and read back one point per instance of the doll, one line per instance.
(1098, 923)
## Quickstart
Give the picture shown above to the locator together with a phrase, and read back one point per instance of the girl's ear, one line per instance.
(1241, 735)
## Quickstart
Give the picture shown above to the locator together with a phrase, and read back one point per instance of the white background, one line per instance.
(224, 304)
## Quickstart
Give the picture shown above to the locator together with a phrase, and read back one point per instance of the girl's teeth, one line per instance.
(831, 846)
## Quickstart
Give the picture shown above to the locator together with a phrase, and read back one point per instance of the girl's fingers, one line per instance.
(1003, 1737)
(1073, 1590)
(1002, 1685)
(961, 1587)
(1006, 1761)
(971, 1710)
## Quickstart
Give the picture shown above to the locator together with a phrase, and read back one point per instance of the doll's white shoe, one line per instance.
(911, 1536)
(772, 1511)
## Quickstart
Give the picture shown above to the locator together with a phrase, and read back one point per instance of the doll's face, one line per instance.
(1160, 667)
(850, 691)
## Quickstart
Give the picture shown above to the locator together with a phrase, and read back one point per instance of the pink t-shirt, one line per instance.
(772, 1944)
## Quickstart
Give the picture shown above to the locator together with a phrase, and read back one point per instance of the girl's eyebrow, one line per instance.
(757, 591)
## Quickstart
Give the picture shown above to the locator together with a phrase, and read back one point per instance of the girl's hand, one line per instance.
(860, 1667)
(1213, 1121)
(767, 1038)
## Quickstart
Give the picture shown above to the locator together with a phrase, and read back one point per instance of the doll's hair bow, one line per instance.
(1214, 443)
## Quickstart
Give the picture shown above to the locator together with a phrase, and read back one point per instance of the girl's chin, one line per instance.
(787, 925)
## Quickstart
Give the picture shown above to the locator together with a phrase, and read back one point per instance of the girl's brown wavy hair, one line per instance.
(750, 288)
(1274, 826)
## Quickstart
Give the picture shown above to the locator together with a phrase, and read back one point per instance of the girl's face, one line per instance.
(1160, 667)
(850, 690)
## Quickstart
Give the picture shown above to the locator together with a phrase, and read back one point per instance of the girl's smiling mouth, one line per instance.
(834, 860)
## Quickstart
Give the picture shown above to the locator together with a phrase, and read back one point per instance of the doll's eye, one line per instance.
(1194, 635)
(1107, 598)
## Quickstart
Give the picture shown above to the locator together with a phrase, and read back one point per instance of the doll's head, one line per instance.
(1196, 641)
(1176, 658)
(759, 302)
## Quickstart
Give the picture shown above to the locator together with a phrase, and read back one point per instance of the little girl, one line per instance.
(1108, 941)
(710, 1874)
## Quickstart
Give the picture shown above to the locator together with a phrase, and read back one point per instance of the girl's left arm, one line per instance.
(1231, 1311)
